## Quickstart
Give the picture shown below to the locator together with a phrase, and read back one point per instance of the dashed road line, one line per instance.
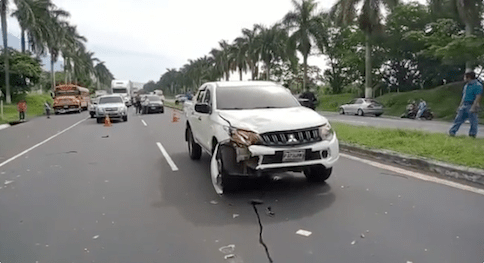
(415, 174)
(43, 142)
(167, 157)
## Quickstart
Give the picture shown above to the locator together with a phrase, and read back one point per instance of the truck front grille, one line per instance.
(296, 137)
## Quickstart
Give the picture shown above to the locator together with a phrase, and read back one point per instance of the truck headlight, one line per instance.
(244, 137)
(326, 132)
(100, 110)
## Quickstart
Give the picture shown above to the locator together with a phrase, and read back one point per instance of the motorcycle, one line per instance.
(412, 114)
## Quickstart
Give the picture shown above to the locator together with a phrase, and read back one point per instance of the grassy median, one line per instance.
(170, 104)
(35, 107)
(459, 150)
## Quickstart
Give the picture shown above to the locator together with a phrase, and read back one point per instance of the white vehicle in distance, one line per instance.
(123, 88)
(112, 106)
(255, 128)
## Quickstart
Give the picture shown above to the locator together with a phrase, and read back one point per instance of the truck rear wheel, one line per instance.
(194, 150)
(100, 120)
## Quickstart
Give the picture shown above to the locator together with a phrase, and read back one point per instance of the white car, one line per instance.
(361, 107)
(253, 128)
(112, 106)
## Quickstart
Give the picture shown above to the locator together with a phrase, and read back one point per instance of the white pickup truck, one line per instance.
(254, 128)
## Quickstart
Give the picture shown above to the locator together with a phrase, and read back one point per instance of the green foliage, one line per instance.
(25, 71)
(332, 102)
(35, 106)
(461, 150)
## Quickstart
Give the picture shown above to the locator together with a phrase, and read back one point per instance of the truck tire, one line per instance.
(125, 118)
(318, 173)
(92, 115)
(194, 150)
(100, 120)
(221, 178)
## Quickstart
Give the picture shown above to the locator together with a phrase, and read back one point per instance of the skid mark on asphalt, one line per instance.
(43, 142)
(167, 157)
(144, 123)
(415, 174)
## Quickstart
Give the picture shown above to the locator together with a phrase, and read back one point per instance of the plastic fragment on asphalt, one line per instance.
(18, 176)
(276, 178)
(28, 170)
(235, 215)
(269, 212)
(107, 136)
(2, 173)
(409, 262)
(362, 236)
(457, 237)
(367, 231)
(46, 245)
(95, 237)
(367, 189)
(86, 250)
(303, 232)
(386, 213)
(227, 249)
(399, 196)
(104, 214)
(342, 186)
(426, 250)
(229, 256)
(106, 181)
(354, 242)
(213, 202)
(7, 182)
(37, 244)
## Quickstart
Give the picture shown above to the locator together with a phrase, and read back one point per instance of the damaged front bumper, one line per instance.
(256, 160)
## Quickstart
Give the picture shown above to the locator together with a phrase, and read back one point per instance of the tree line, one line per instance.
(371, 46)
(45, 30)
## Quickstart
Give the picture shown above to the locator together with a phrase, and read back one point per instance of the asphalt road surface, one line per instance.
(108, 194)
(398, 123)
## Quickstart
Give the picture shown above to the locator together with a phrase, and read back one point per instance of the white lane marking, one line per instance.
(40, 143)
(4, 126)
(416, 175)
(144, 123)
(167, 157)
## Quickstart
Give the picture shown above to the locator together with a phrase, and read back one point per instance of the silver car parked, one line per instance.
(361, 107)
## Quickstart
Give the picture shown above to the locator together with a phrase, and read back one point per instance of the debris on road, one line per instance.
(2, 173)
(362, 235)
(391, 204)
(235, 215)
(213, 202)
(367, 189)
(409, 262)
(227, 249)
(28, 170)
(86, 250)
(18, 176)
(7, 182)
(107, 136)
(354, 242)
(386, 213)
(269, 212)
(106, 181)
(303, 232)
(95, 237)
(367, 231)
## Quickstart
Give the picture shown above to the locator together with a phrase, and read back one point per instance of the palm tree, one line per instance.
(272, 46)
(469, 12)
(3, 14)
(238, 56)
(369, 20)
(221, 57)
(103, 75)
(306, 26)
(248, 42)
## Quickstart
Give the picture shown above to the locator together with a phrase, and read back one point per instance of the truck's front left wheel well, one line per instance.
(186, 131)
(214, 143)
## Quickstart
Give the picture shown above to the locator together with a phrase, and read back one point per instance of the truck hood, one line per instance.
(269, 120)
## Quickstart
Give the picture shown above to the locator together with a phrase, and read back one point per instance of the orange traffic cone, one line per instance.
(175, 118)
(107, 121)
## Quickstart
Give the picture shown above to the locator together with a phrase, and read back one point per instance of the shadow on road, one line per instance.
(190, 191)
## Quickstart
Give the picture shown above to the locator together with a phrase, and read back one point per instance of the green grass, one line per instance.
(173, 105)
(35, 107)
(332, 102)
(459, 150)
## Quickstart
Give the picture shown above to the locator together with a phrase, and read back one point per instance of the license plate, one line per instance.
(66, 107)
(153, 108)
(293, 156)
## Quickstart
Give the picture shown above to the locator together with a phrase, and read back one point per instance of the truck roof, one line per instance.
(223, 84)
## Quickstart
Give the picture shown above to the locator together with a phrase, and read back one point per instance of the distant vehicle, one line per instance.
(361, 107)
(159, 93)
(70, 98)
(180, 98)
(100, 93)
(113, 106)
(252, 128)
(152, 103)
(123, 88)
(92, 107)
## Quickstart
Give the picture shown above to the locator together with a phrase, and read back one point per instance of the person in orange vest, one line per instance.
(22, 108)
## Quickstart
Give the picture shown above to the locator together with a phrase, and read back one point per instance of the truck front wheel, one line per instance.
(318, 173)
(194, 150)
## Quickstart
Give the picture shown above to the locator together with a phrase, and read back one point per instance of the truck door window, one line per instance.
(200, 96)
(207, 98)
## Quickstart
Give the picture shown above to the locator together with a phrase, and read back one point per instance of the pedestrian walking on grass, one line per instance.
(47, 109)
(469, 106)
(22, 108)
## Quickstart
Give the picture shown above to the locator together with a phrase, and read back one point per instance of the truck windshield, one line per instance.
(110, 100)
(235, 98)
(154, 98)
(120, 90)
(67, 93)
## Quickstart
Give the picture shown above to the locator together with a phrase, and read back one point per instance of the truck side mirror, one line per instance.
(203, 108)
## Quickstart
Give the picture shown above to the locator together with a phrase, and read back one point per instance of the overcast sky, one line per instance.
(139, 39)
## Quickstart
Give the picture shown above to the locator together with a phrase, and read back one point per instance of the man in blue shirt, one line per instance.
(469, 106)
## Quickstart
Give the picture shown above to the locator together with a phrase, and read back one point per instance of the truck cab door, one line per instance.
(205, 120)
(195, 117)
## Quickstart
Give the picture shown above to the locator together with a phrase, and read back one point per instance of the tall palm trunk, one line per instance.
(368, 86)
(52, 70)
(268, 73)
(3, 14)
(240, 74)
(22, 39)
(469, 32)
(305, 77)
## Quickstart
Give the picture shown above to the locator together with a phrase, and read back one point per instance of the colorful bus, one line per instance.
(70, 98)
